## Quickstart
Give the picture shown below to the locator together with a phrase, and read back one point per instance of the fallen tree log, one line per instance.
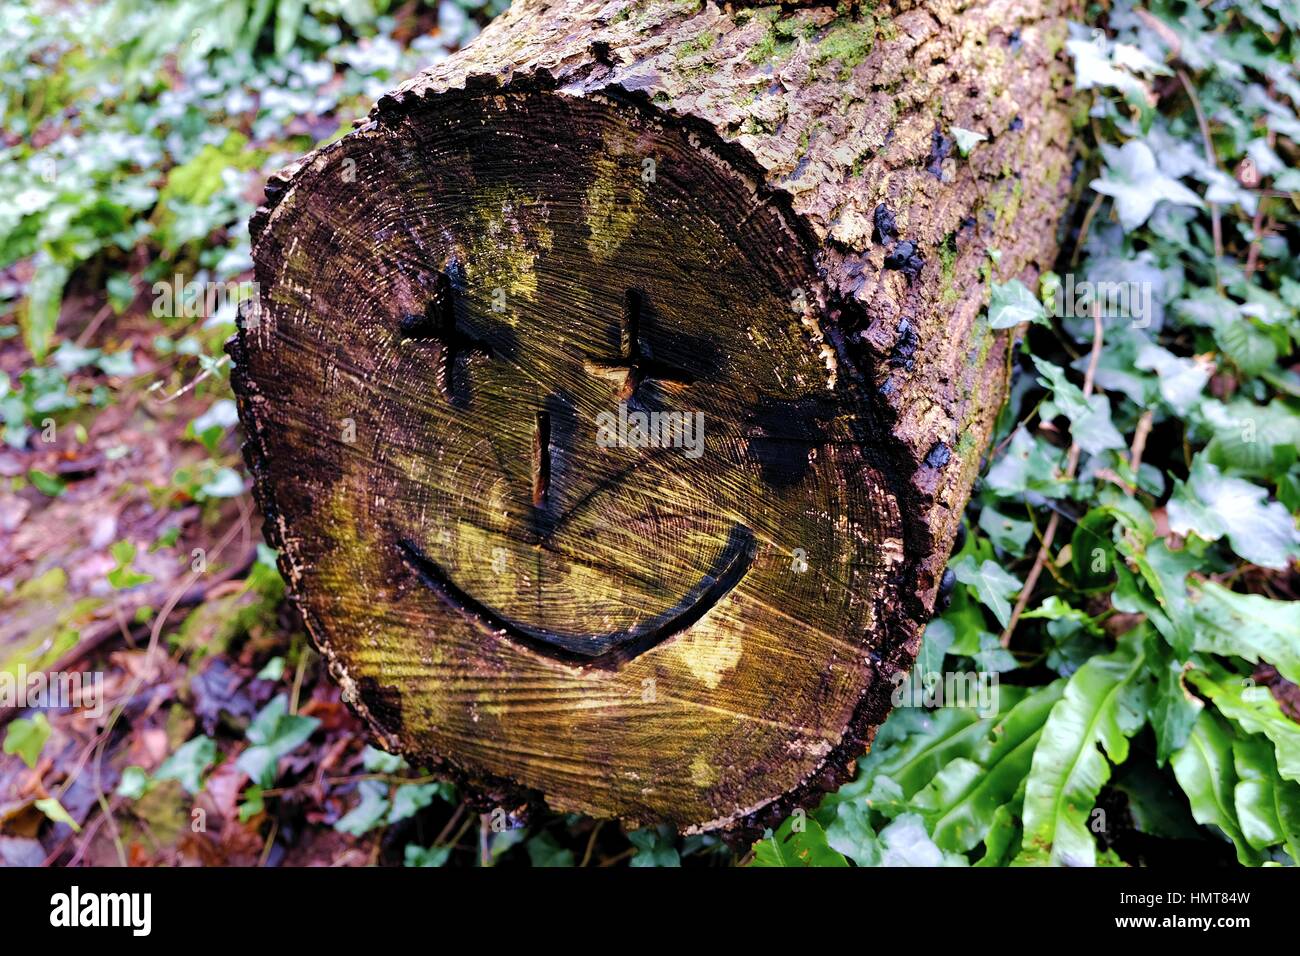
(617, 386)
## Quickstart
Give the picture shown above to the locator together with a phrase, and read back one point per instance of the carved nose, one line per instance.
(541, 459)
(550, 423)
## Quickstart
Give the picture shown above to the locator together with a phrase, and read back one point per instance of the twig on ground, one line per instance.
(591, 842)
(1140, 435)
(1215, 220)
(91, 329)
(192, 383)
(1071, 465)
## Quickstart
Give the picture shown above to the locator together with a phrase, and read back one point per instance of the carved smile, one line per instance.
(605, 651)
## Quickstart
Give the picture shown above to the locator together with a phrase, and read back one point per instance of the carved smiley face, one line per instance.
(564, 452)
(603, 521)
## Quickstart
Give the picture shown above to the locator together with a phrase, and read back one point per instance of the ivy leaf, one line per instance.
(1097, 64)
(545, 851)
(121, 291)
(1251, 350)
(1213, 505)
(369, 811)
(253, 804)
(935, 642)
(373, 759)
(1204, 769)
(425, 856)
(991, 657)
(993, 585)
(653, 849)
(226, 483)
(501, 842)
(1134, 181)
(135, 783)
(966, 139)
(273, 670)
(1103, 706)
(1007, 534)
(410, 798)
(189, 763)
(274, 733)
(26, 737)
(1181, 379)
(123, 577)
(1252, 441)
(1089, 415)
(1012, 303)
(1027, 465)
(118, 364)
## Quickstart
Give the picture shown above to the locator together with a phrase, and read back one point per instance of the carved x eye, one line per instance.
(437, 325)
(636, 367)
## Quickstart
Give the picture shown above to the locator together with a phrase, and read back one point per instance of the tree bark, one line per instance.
(751, 220)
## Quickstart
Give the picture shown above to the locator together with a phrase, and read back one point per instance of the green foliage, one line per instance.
(959, 806)
(135, 783)
(138, 132)
(799, 842)
(55, 811)
(189, 763)
(1087, 730)
(370, 812)
(1248, 626)
(410, 798)
(1207, 773)
(1268, 809)
(123, 576)
(273, 733)
(653, 848)
(545, 850)
(26, 737)
(426, 856)
(1254, 710)
(1012, 303)
(991, 583)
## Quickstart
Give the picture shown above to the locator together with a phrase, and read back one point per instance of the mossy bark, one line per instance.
(754, 215)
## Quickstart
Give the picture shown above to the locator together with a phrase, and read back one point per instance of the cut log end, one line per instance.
(615, 393)
(567, 480)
